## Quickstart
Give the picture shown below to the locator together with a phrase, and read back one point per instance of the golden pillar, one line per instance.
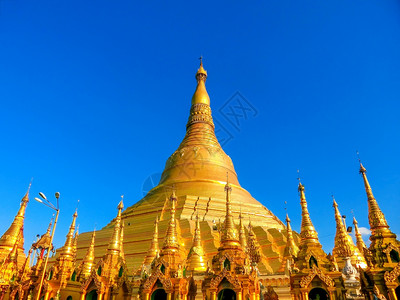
(213, 295)
(332, 295)
(46, 296)
(169, 296)
(304, 294)
(146, 296)
(83, 296)
(392, 293)
(100, 296)
(239, 295)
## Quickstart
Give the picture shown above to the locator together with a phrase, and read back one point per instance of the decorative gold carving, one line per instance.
(158, 275)
(391, 276)
(215, 282)
(315, 271)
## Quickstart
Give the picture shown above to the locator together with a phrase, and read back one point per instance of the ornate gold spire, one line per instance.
(26, 269)
(9, 266)
(343, 244)
(253, 248)
(13, 256)
(376, 218)
(201, 95)
(171, 238)
(196, 260)
(121, 252)
(154, 250)
(360, 242)
(229, 237)
(68, 249)
(291, 246)
(308, 234)
(242, 233)
(200, 146)
(9, 238)
(75, 242)
(114, 247)
(87, 263)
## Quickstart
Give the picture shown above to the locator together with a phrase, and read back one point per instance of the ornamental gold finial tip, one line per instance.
(200, 95)
(201, 70)
(362, 169)
(121, 203)
(287, 218)
(334, 201)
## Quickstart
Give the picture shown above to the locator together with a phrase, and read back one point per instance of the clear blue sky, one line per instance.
(95, 97)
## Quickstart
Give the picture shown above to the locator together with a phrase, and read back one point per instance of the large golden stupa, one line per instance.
(199, 235)
(197, 171)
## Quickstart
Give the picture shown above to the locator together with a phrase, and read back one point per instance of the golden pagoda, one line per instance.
(196, 172)
(198, 246)
(315, 275)
(14, 233)
(344, 245)
(381, 278)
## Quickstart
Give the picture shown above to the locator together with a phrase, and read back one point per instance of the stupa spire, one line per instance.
(114, 247)
(121, 253)
(308, 234)
(201, 95)
(196, 260)
(290, 244)
(171, 237)
(229, 237)
(154, 249)
(9, 238)
(376, 218)
(360, 242)
(187, 162)
(242, 233)
(87, 263)
(344, 246)
(68, 249)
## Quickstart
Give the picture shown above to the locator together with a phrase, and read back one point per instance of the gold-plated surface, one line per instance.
(229, 235)
(360, 242)
(308, 234)
(88, 260)
(154, 249)
(291, 247)
(310, 249)
(8, 239)
(196, 260)
(344, 246)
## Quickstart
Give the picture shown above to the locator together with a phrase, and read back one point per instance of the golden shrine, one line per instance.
(189, 238)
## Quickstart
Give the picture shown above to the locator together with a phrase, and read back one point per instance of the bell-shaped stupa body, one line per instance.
(197, 172)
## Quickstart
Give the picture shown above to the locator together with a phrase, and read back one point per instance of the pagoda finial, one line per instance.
(171, 237)
(201, 95)
(242, 232)
(196, 260)
(154, 250)
(68, 249)
(308, 234)
(9, 238)
(114, 246)
(121, 252)
(229, 237)
(290, 245)
(344, 246)
(87, 263)
(376, 218)
(360, 242)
